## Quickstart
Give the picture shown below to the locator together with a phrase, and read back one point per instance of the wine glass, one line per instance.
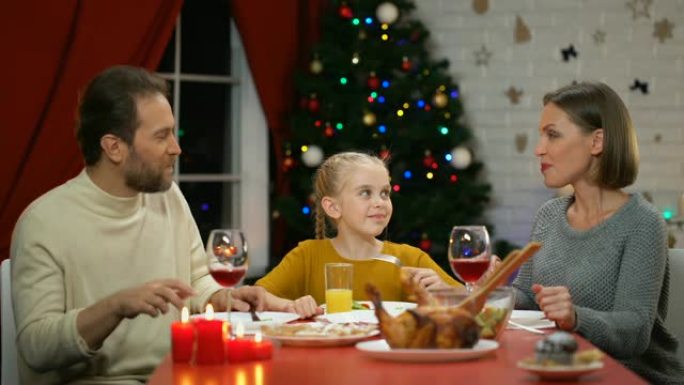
(469, 253)
(227, 258)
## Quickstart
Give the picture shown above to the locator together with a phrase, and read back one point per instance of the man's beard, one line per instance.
(141, 177)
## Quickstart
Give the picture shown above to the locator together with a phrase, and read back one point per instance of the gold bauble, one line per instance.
(440, 100)
(316, 66)
(369, 119)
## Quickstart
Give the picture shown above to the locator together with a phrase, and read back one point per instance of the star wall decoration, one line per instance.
(663, 30)
(640, 8)
(568, 53)
(482, 56)
(514, 94)
(639, 85)
(599, 37)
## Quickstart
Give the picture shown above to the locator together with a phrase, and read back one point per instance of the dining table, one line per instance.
(348, 365)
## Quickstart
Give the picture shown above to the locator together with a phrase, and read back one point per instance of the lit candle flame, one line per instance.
(240, 330)
(185, 315)
(209, 314)
(258, 337)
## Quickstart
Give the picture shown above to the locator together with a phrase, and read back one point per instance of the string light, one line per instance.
(305, 148)
(667, 214)
(204, 207)
(381, 99)
(369, 21)
(339, 126)
(343, 80)
(400, 113)
(384, 37)
(408, 174)
(396, 188)
(318, 123)
(374, 94)
(420, 103)
(356, 21)
(382, 129)
(453, 178)
(370, 99)
(443, 130)
(448, 157)
(355, 58)
(385, 84)
(406, 106)
(429, 175)
(306, 210)
(384, 27)
(181, 133)
(454, 94)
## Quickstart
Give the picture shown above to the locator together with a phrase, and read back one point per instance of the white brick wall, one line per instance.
(630, 51)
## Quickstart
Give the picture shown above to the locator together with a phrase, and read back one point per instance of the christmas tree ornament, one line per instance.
(569, 53)
(387, 13)
(461, 157)
(369, 118)
(640, 8)
(313, 104)
(345, 11)
(384, 154)
(599, 37)
(663, 30)
(316, 66)
(328, 132)
(313, 156)
(440, 100)
(522, 31)
(425, 243)
(482, 56)
(514, 94)
(373, 81)
(521, 143)
(428, 159)
(480, 6)
(355, 58)
(288, 163)
(639, 85)
(406, 64)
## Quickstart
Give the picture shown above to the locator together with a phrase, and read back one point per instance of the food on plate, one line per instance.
(560, 349)
(356, 305)
(426, 326)
(319, 330)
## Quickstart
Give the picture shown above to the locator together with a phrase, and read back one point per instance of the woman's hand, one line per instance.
(556, 303)
(305, 307)
(425, 278)
(496, 261)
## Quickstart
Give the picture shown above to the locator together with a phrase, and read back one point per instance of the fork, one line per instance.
(388, 258)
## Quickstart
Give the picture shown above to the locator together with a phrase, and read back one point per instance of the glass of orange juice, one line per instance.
(338, 287)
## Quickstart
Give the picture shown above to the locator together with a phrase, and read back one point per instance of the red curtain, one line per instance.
(52, 48)
(277, 41)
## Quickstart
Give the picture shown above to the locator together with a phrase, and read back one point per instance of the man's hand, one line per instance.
(244, 298)
(151, 298)
(425, 278)
(556, 303)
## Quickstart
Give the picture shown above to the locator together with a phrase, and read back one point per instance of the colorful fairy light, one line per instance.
(400, 113)
(667, 214)
(429, 175)
(396, 188)
(318, 123)
(453, 178)
(381, 99)
(369, 21)
(382, 129)
(339, 126)
(408, 174)
(406, 106)
(385, 84)
(306, 210)
(448, 157)
(454, 94)
(305, 148)
(420, 103)
(384, 27)
(343, 80)
(384, 37)
(356, 21)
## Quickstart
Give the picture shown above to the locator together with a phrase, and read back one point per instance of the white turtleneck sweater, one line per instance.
(76, 245)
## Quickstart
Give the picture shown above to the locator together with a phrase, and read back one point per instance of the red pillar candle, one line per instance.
(182, 338)
(210, 347)
(262, 348)
(238, 348)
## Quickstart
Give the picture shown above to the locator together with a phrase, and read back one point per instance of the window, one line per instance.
(223, 170)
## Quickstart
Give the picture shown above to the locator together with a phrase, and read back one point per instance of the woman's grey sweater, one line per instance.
(618, 276)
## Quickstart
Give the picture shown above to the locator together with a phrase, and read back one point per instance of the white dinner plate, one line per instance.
(251, 327)
(394, 308)
(379, 349)
(531, 318)
(561, 372)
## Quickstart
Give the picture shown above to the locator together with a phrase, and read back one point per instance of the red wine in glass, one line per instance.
(227, 258)
(469, 253)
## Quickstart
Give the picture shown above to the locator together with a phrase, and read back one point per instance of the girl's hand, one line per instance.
(305, 307)
(496, 261)
(556, 303)
(425, 278)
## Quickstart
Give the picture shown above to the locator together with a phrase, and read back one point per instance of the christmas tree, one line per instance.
(372, 86)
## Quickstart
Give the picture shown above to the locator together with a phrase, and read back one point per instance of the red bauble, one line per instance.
(425, 245)
(313, 105)
(373, 81)
(288, 163)
(406, 64)
(384, 154)
(345, 11)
